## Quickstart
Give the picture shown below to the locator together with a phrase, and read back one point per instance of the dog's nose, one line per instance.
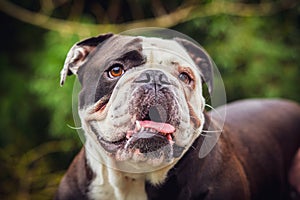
(153, 77)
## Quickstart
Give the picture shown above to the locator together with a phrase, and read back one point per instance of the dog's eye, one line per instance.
(184, 77)
(115, 71)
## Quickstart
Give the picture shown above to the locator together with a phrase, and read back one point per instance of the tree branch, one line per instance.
(180, 15)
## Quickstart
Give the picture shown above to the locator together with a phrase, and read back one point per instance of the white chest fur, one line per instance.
(110, 184)
(116, 186)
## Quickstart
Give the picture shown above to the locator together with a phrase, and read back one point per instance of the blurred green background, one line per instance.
(254, 43)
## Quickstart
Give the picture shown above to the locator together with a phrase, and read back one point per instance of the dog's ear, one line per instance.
(201, 59)
(76, 56)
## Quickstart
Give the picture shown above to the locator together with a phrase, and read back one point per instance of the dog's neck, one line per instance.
(109, 183)
(112, 184)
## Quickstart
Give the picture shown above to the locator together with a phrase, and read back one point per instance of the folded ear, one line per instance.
(76, 56)
(201, 59)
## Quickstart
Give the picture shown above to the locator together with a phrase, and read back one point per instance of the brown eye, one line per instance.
(115, 71)
(184, 77)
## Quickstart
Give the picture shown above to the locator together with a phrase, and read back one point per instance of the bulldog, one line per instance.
(141, 107)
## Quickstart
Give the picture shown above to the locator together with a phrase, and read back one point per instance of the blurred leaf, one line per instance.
(46, 78)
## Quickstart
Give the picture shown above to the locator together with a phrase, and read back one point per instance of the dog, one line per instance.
(141, 107)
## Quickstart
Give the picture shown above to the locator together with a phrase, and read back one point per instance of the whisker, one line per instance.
(73, 127)
(205, 135)
(214, 110)
(220, 117)
(212, 131)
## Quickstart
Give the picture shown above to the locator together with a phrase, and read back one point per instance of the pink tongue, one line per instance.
(160, 127)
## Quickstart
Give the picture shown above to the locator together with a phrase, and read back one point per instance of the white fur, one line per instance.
(112, 184)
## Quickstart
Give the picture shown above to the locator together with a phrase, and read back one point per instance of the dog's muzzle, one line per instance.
(155, 118)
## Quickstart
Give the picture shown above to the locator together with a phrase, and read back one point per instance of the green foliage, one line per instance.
(45, 83)
(29, 77)
(34, 174)
(254, 60)
(253, 55)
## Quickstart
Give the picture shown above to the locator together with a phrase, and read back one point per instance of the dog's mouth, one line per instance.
(146, 136)
(153, 129)
(150, 132)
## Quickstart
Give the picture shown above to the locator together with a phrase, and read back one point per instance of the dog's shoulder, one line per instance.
(264, 120)
(264, 134)
(74, 184)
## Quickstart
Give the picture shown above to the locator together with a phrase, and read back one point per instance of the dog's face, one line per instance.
(141, 98)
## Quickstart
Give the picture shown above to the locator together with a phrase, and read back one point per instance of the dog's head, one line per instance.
(141, 98)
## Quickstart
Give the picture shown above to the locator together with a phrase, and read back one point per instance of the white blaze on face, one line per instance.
(161, 54)
(164, 52)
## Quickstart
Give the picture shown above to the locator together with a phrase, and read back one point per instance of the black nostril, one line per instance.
(163, 79)
(143, 78)
(153, 76)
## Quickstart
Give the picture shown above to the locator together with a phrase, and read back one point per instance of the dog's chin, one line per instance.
(151, 143)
